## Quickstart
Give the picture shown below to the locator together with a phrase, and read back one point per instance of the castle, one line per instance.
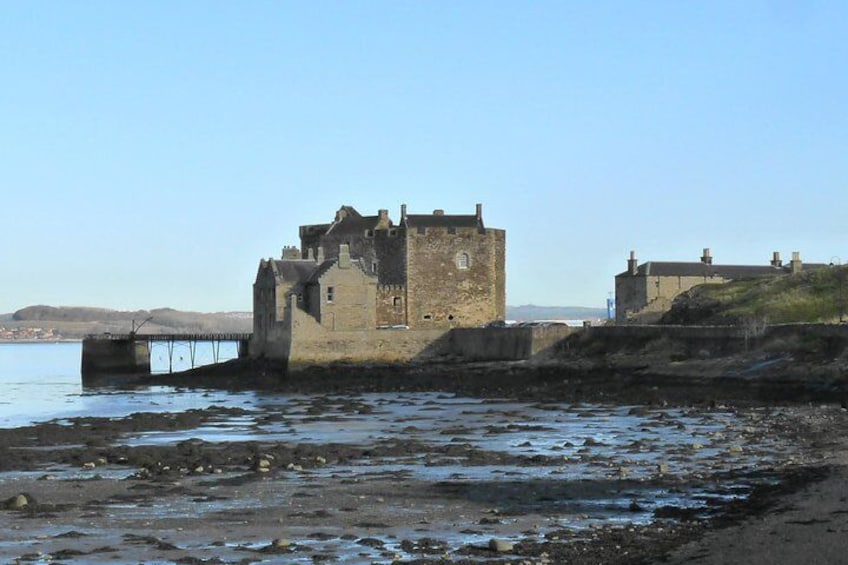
(364, 288)
(643, 293)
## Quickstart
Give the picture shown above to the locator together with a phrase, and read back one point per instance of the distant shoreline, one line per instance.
(31, 341)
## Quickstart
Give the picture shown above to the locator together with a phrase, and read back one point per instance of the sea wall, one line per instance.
(102, 356)
(708, 340)
(313, 344)
(505, 344)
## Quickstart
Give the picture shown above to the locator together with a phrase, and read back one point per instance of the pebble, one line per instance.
(89, 465)
(281, 543)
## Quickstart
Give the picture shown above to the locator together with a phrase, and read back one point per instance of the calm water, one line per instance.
(41, 381)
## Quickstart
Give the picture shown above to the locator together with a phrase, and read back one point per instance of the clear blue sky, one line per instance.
(152, 152)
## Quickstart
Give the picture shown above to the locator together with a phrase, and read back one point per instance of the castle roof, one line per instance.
(295, 270)
(349, 221)
(442, 221)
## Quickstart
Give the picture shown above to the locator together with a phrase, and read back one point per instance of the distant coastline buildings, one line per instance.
(644, 292)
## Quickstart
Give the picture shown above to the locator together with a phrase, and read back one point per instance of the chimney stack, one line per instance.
(795, 266)
(291, 252)
(438, 212)
(402, 213)
(479, 212)
(383, 220)
(775, 259)
(310, 255)
(344, 256)
(632, 264)
(707, 258)
(319, 258)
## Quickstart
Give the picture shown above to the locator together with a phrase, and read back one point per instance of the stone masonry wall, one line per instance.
(354, 295)
(643, 299)
(391, 305)
(441, 294)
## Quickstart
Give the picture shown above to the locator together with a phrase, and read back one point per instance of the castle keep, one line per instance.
(643, 293)
(363, 287)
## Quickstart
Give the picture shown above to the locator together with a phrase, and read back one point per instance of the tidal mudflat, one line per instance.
(388, 477)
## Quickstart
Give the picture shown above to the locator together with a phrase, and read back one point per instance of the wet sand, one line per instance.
(362, 478)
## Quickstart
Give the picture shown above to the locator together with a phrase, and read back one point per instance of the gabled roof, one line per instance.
(330, 263)
(295, 270)
(352, 222)
(442, 221)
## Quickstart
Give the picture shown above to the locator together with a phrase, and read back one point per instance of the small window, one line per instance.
(392, 232)
(462, 261)
(450, 317)
(330, 294)
(369, 233)
(396, 302)
(374, 267)
(428, 316)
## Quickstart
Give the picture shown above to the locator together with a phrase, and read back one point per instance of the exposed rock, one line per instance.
(500, 546)
(17, 502)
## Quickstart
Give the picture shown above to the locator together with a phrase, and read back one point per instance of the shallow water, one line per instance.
(625, 449)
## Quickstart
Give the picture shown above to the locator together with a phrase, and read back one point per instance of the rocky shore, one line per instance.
(675, 466)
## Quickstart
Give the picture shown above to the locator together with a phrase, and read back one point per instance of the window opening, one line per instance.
(428, 316)
(462, 261)
(330, 294)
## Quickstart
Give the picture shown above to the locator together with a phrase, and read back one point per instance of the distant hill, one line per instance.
(73, 322)
(819, 295)
(532, 312)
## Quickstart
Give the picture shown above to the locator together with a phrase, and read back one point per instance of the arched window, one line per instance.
(462, 260)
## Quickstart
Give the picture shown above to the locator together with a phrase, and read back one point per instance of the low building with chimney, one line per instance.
(644, 292)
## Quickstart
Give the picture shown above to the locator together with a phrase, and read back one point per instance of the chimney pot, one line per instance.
(795, 265)
(632, 264)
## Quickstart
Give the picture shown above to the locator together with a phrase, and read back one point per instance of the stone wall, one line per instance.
(644, 299)
(106, 357)
(452, 280)
(391, 305)
(505, 344)
(346, 297)
(312, 343)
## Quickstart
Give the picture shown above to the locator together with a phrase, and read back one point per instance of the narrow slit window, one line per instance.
(331, 294)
